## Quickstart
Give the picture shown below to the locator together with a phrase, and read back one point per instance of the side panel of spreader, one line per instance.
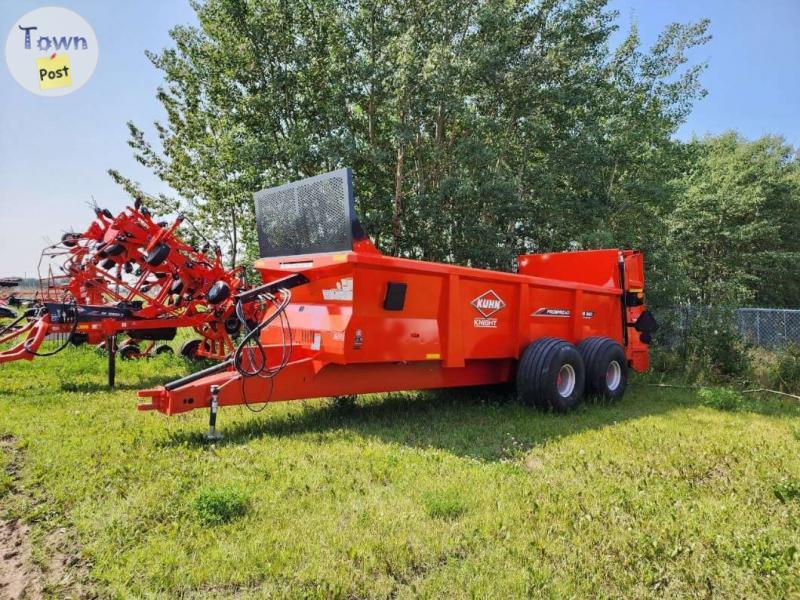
(448, 314)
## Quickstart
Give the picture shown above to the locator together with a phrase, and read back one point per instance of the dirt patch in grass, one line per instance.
(65, 575)
(533, 463)
(19, 577)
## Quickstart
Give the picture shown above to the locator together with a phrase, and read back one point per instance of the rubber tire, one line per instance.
(176, 287)
(78, 339)
(233, 325)
(163, 349)
(157, 255)
(219, 292)
(538, 370)
(189, 349)
(108, 263)
(597, 354)
(70, 239)
(129, 352)
(114, 249)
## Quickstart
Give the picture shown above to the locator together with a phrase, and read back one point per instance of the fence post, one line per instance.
(785, 331)
(758, 329)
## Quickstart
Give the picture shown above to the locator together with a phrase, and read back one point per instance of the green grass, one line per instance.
(437, 495)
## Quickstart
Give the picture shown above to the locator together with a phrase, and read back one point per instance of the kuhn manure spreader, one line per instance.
(345, 319)
(129, 274)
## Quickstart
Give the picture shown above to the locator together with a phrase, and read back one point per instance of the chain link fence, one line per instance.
(762, 327)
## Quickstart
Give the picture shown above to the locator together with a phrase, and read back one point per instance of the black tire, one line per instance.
(550, 374)
(190, 349)
(114, 249)
(108, 264)
(606, 367)
(157, 255)
(78, 339)
(176, 287)
(163, 349)
(129, 352)
(233, 325)
(219, 292)
(70, 239)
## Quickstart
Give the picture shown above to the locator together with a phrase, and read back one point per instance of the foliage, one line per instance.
(708, 343)
(445, 504)
(215, 506)
(338, 499)
(734, 231)
(344, 403)
(721, 398)
(789, 369)
(776, 369)
(513, 123)
(787, 490)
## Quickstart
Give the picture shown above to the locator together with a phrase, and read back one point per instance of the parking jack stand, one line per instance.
(213, 435)
(111, 349)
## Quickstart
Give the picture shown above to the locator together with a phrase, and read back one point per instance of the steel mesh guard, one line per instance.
(307, 216)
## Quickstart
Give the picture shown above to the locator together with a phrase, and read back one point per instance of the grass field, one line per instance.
(437, 495)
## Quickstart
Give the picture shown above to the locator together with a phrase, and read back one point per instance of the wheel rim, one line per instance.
(565, 382)
(613, 375)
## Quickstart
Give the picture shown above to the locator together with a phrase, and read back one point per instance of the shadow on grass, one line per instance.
(96, 386)
(133, 380)
(478, 424)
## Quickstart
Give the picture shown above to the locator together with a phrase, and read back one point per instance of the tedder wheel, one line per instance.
(114, 249)
(550, 375)
(78, 339)
(129, 352)
(606, 367)
(157, 255)
(219, 292)
(190, 349)
(108, 263)
(163, 349)
(70, 239)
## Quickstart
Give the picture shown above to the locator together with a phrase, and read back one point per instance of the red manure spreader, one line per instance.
(342, 319)
(128, 274)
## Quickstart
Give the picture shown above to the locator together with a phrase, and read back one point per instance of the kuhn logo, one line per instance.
(488, 303)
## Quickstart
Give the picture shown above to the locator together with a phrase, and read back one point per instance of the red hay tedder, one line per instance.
(344, 319)
(129, 274)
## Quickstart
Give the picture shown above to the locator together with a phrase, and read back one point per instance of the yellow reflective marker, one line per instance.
(435, 356)
(54, 71)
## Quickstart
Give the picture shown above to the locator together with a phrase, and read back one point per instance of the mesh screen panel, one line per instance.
(307, 216)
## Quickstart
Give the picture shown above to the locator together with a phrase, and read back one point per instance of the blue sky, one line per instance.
(54, 152)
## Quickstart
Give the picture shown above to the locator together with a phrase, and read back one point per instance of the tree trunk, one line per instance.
(234, 237)
(398, 193)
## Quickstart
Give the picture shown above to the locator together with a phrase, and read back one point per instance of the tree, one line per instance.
(735, 230)
(477, 129)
